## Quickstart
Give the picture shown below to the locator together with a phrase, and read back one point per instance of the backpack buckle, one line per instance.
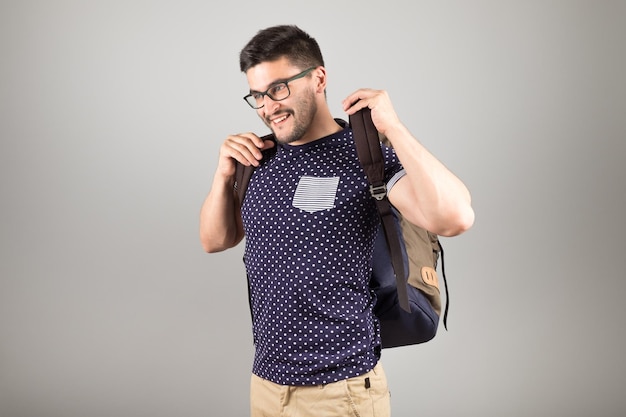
(378, 191)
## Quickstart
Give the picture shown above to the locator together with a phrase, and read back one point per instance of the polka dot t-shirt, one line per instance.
(310, 225)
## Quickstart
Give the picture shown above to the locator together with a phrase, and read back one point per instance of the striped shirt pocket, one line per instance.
(315, 193)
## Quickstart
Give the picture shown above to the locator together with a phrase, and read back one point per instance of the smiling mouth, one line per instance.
(280, 119)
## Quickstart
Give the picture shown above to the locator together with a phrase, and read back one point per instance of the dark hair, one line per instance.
(277, 42)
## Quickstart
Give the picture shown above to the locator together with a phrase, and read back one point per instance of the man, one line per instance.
(310, 225)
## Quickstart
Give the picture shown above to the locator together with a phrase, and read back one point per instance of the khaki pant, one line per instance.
(366, 395)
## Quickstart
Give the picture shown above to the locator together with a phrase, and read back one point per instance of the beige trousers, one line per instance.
(366, 395)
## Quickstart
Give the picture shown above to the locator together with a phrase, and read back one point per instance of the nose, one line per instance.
(269, 105)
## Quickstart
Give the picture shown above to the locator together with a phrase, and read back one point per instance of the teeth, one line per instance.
(280, 119)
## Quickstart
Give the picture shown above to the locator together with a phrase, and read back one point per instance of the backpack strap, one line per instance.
(445, 284)
(243, 173)
(370, 155)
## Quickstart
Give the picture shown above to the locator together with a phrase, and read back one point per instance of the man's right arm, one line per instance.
(221, 227)
(220, 217)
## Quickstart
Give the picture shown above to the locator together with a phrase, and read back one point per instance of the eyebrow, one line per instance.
(272, 84)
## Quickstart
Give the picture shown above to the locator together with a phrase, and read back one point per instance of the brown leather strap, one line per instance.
(371, 157)
(243, 173)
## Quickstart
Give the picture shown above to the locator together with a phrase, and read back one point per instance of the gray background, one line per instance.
(111, 117)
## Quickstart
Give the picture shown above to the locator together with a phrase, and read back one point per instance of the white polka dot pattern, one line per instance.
(310, 225)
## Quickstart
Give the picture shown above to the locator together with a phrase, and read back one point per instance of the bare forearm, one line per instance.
(220, 218)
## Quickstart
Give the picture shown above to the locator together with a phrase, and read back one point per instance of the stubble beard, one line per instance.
(306, 108)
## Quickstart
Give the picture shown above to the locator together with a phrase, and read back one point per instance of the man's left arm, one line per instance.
(429, 195)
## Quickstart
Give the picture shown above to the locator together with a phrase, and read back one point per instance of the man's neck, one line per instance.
(323, 125)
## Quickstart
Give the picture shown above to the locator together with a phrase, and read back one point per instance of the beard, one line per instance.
(301, 114)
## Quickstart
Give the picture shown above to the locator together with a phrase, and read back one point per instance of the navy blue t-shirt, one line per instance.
(310, 224)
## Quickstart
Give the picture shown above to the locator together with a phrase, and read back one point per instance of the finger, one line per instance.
(244, 148)
(358, 100)
(349, 101)
(267, 144)
(256, 140)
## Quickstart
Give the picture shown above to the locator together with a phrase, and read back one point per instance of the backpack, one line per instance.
(404, 268)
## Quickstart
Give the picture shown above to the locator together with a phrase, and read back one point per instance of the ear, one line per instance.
(320, 77)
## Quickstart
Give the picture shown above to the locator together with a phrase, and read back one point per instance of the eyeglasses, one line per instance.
(276, 92)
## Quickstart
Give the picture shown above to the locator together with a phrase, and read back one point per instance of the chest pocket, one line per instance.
(315, 193)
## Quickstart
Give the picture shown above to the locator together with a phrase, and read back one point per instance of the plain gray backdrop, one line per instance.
(111, 117)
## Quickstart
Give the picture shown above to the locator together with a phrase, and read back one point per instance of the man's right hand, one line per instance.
(245, 148)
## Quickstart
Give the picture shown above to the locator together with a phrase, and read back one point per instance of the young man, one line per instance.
(310, 225)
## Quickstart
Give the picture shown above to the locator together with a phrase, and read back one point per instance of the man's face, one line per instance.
(289, 119)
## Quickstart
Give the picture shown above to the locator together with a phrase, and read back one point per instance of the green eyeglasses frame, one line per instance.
(278, 91)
